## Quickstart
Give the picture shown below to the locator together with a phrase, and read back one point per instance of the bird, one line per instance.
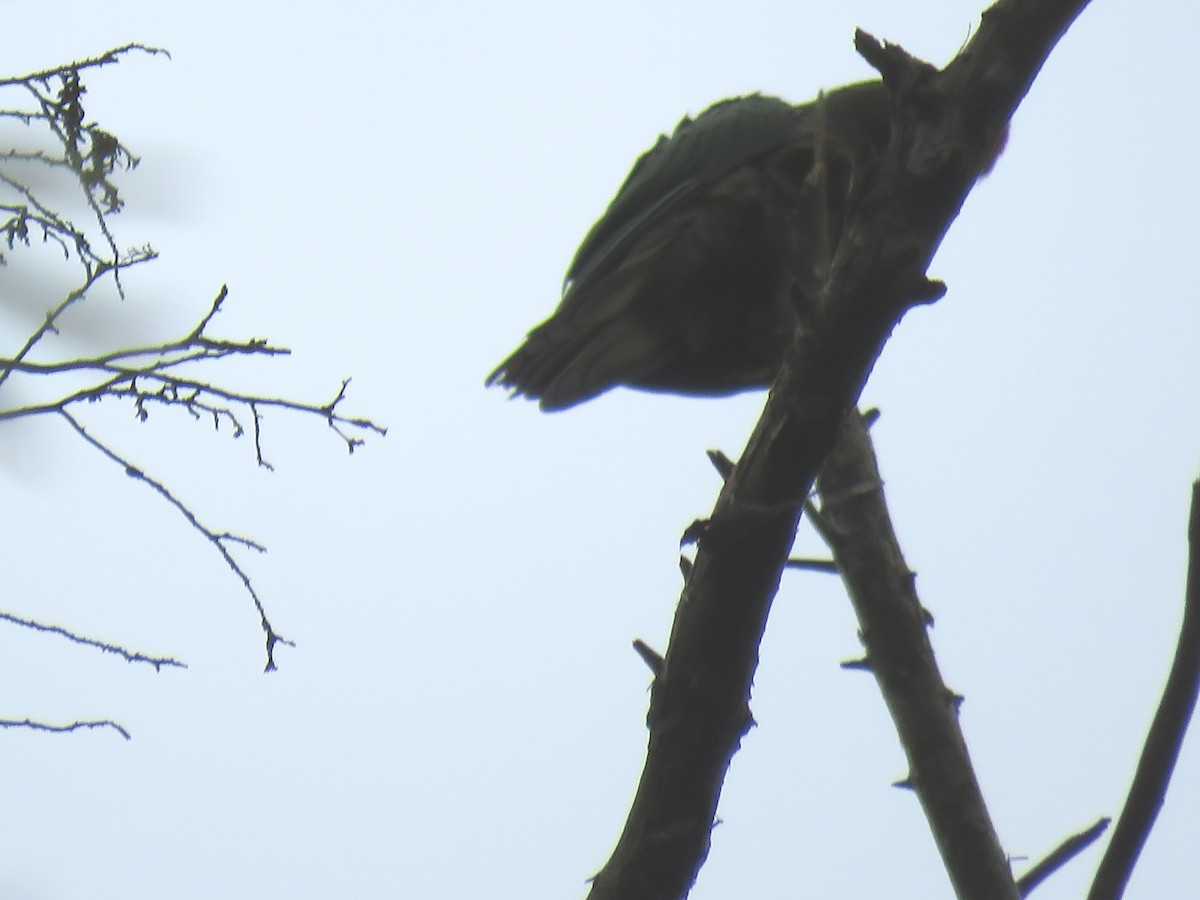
(688, 282)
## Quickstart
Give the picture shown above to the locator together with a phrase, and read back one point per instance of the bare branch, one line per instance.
(74, 726)
(945, 128)
(1060, 856)
(129, 655)
(893, 627)
(1161, 750)
(146, 376)
(827, 566)
(218, 540)
(141, 374)
(48, 326)
(107, 58)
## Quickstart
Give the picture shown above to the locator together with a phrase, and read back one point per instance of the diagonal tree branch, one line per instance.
(1060, 856)
(893, 626)
(220, 541)
(106, 58)
(945, 127)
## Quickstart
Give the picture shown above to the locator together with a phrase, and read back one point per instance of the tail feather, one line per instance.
(565, 369)
(591, 344)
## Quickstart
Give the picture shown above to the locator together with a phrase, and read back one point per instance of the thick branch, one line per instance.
(946, 127)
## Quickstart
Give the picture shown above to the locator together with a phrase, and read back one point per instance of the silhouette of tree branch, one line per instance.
(74, 726)
(1060, 856)
(1165, 737)
(81, 155)
(128, 655)
(893, 628)
(946, 127)
(220, 541)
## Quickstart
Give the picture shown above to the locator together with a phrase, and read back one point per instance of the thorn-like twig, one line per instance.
(216, 539)
(651, 657)
(722, 463)
(694, 532)
(862, 664)
(827, 566)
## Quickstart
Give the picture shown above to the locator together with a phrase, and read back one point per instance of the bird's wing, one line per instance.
(589, 340)
(699, 153)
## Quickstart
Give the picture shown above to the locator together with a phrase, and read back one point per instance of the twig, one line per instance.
(104, 59)
(48, 325)
(129, 655)
(827, 566)
(218, 540)
(74, 726)
(1060, 856)
(146, 376)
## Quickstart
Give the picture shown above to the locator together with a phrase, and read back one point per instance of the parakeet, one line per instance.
(685, 284)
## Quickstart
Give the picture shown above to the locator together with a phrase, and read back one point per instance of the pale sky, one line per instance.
(394, 192)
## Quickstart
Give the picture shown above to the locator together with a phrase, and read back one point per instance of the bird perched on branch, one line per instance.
(684, 285)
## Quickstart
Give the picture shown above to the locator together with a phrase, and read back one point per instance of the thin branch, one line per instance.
(893, 627)
(91, 153)
(166, 355)
(48, 325)
(152, 383)
(129, 655)
(146, 375)
(218, 540)
(1165, 737)
(198, 332)
(117, 365)
(1060, 856)
(171, 390)
(826, 566)
(68, 132)
(53, 226)
(74, 726)
(104, 59)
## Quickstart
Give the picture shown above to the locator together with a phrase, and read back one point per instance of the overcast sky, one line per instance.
(394, 192)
